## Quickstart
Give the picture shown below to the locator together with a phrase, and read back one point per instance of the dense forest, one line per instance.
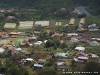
(41, 3)
(48, 9)
(92, 5)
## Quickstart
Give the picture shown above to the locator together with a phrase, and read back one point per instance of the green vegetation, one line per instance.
(11, 60)
(51, 9)
(94, 68)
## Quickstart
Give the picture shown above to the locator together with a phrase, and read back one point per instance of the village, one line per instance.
(65, 46)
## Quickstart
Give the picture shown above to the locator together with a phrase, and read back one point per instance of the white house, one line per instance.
(80, 48)
(1, 50)
(38, 43)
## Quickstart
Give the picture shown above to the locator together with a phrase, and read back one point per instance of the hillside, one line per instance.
(92, 5)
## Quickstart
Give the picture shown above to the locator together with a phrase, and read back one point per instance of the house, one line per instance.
(25, 25)
(58, 24)
(10, 18)
(29, 59)
(1, 44)
(13, 33)
(41, 61)
(42, 23)
(27, 53)
(72, 21)
(18, 49)
(61, 65)
(26, 44)
(91, 55)
(32, 38)
(2, 50)
(38, 43)
(84, 40)
(82, 21)
(21, 33)
(80, 28)
(85, 59)
(45, 41)
(73, 39)
(80, 48)
(76, 60)
(2, 10)
(4, 34)
(17, 34)
(81, 57)
(57, 35)
(62, 41)
(37, 33)
(11, 49)
(10, 25)
(48, 30)
(94, 43)
(81, 54)
(72, 34)
(93, 27)
(61, 55)
(38, 66)
(96, 39)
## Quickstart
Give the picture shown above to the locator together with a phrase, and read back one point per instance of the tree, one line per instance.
(49, 43)
(2, 67)
(63, 45)
(50, 62)
(48, 71)
(92, 67)
(82, 15)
